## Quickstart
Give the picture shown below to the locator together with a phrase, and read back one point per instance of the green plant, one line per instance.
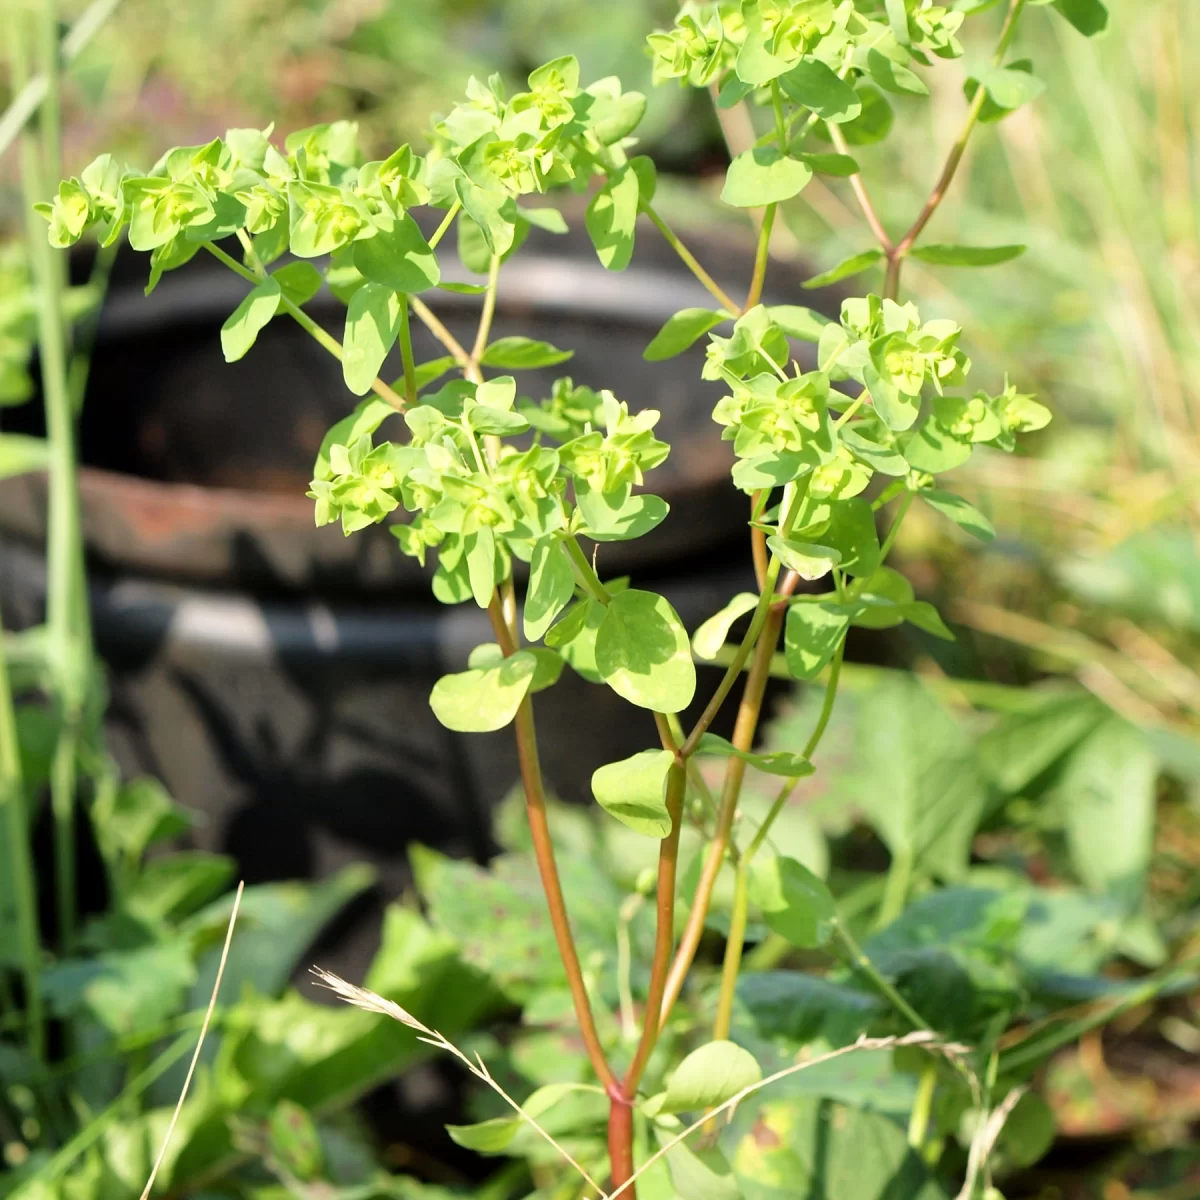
(886, 400)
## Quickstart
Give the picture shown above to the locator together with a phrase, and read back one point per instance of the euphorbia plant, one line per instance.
(476, 478)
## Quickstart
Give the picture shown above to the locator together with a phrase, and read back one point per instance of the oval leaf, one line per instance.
(709, 1076)
(611, 218)
(398, 258)
(643, 652)
(711, 636)
(634, 791)
(847, 267)
(483, 699)
(809, 561)
(551, 586)
(681, 331)
(763, 176)
(522, 353)
(944, 254)
(250, 317)
(372, 327)
(812, 636)
(965, 516)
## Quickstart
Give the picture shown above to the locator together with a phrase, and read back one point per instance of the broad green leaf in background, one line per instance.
(764, 176)
(681, 331)
(1108, 794)
(699, 1174)
(611, 218)
(1090, 17)
(793, 901)
(515, 945)
(250, 317)
(1022, 745)
(811, 1146)
(480, 701)
(372, 327)
(709, 1076)
(643, 652)
(634, 791)
(711, 636)
(843, 270)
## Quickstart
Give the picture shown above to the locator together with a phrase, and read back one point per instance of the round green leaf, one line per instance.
(398, 258)
(634, 791)
(483, 699)
(819, 88)
(709, 1076)
(643, 652)
(794, 902)
(764, 175)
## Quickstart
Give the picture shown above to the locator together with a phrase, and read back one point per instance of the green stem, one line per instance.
(20, 865)
(668, 863)
(447, 221)
(733, 951)
(406, 355)
(761, 256)
(781, 128)
(890, 540)
(324, 339)
(737, 926)
(897, 253)
(744, 730)
(489, 311)
(918, 1121)
(543, 849)
(753, 637)
(861, 962)
(690, 261)
(583, 569)
(66, 613)
(439, 331)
